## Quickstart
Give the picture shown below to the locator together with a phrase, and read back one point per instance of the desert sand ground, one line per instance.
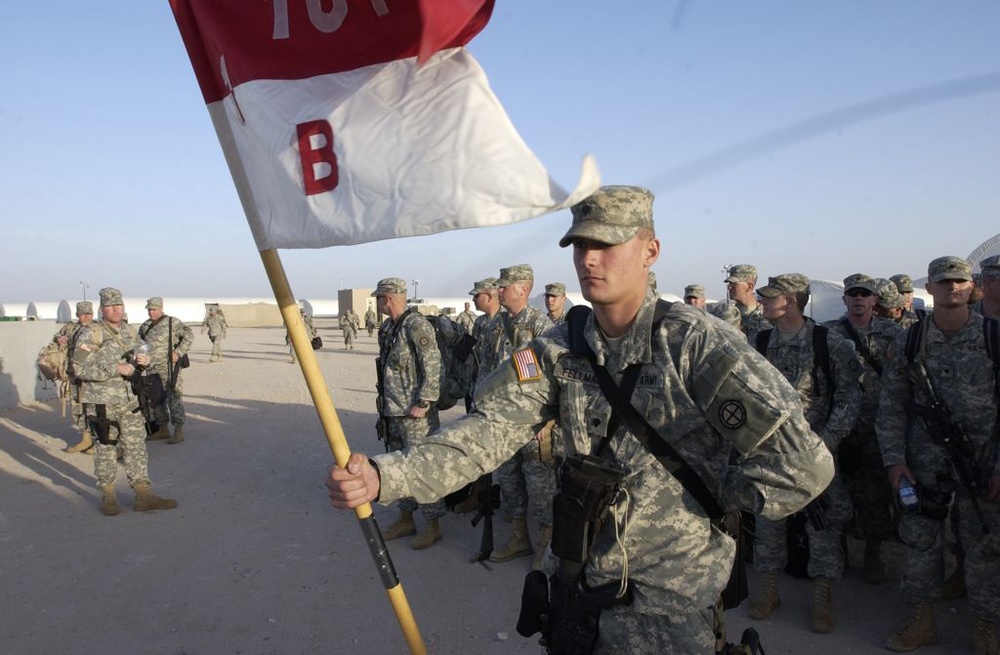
(255, 561)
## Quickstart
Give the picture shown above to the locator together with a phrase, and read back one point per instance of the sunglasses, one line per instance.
(859, 293)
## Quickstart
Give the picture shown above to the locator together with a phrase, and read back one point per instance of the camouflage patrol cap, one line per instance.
(154, 303)
(512, 274)
(859, 281)
(111, 296)
(84, 307)
(555, 289)
(742, 273)
(887, 294)
(785, 284)
(611, 215)
(727, 311)
(949, 268)
(990, 263)
(390, 285)
(694, 291)
(904, 283)
(484, 285)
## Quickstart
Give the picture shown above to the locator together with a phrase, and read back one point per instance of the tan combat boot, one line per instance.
(147, 501)
(178, 434)
(162, 432)
(403, 527)
(519, 544)
(821, 619)
(86, 442)
(984, 638)
(767, 600)
(920, 630)
(109, 503)
(875, 572)
(544, 537)
(427, 538)
(470, 503)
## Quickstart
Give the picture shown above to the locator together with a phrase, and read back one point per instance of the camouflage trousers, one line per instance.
(171, 410)
(349, 338)
(826, 556)
(132, 440)
(923, 573)
(401, 432)
(623, 630)
(216, 346)
(527, 483)
(861, 467)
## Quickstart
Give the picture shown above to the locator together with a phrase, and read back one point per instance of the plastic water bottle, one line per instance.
(143, 348)
(908, 499)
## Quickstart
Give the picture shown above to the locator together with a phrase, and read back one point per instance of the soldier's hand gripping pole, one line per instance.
(338, 444)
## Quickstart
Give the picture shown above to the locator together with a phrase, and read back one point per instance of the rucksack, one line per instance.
(821, 350)
(458, 366)
(52, 361)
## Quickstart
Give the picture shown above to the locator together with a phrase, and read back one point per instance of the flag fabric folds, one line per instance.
(335, 134)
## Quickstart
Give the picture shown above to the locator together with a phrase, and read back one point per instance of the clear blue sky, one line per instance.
(819, 137)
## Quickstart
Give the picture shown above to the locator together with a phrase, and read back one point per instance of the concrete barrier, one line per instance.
(20, 342)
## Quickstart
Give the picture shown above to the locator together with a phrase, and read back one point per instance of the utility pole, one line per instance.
(85, 287)
(416, 286)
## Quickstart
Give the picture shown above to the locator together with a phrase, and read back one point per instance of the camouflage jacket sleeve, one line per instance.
(891, 423)
(422, 338)
(846, 402)
(183, 336)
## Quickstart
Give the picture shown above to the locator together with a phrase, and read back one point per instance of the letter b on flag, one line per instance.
(319, 163)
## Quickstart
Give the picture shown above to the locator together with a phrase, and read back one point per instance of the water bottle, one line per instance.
(909, 502)
(142, 349)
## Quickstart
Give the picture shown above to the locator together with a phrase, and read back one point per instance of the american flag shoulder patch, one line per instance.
(526, 365)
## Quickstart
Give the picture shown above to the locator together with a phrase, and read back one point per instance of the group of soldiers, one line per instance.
(698, 417)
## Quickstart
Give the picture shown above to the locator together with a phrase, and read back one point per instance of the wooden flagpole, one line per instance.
(338, 444)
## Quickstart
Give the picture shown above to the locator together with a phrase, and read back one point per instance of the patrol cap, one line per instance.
(694, 291)
(989, 263)
(555, 289)
(742, 273)
(784, 285)
(512, 274)
(111, 296)
(859, 281)
(84, 307)
(390, 285)
(949, 268)
(154, 303)
(727, 311)
(904, 283)
(611, 215)
(486, 284)
(887, 294)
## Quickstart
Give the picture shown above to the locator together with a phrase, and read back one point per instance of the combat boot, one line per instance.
(875, 572)
(162, 432)
(109, 503)
(920, 630)
(86, 442)
(984, 638)
(519, 544)
(178, 434)
(821, 620)
(403, 527)
(427, 538)
(147, 501)
(544, 537)
(470, 503)
(767, 600)
(954, 586)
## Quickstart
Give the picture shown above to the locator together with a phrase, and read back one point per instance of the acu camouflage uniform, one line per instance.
(467, 319)
(721, 406)
(962, 375)
(216, 324)
(158, 337)
(411, 373)
(859, 456)
(99, 350)
(71, 331)
(831, 407)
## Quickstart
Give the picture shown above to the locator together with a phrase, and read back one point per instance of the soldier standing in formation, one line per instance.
(170, 339)
(943, 358)
(409, 379)
(859, 456)
(830, 398)
(217, 326)
(699, 385)
(104, 361)
(467, 318)
(66, 336)
(889, 302)
(694, 295)
(527, 480)
(989, 306)
(555, 302)
(740, 284)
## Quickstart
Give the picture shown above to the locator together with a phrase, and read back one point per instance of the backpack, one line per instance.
(52, 361)
(821, 349)
(458, 366)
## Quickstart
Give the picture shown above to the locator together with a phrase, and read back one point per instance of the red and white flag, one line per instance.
(335, 135)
